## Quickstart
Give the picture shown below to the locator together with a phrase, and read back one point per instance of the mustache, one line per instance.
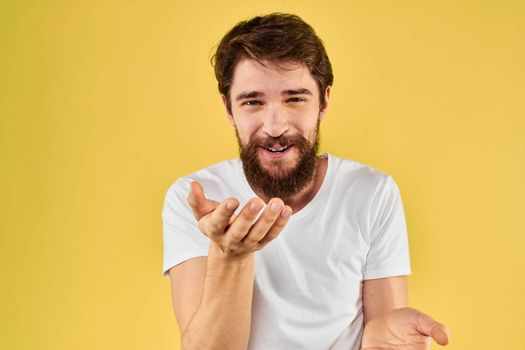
(257, 141)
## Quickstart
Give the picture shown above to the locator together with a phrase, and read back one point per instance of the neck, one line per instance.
(302, 198)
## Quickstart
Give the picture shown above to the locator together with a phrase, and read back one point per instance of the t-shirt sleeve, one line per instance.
(182, 237)
(388, 253)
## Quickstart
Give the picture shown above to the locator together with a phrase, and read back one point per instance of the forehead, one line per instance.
(251, 75)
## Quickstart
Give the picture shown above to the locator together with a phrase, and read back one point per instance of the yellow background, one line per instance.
(103, 104)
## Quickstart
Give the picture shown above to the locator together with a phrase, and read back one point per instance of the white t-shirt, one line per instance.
(308, 281)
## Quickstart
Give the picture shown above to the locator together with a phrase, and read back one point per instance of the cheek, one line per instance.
(246, 125)
(306, 128)
(245, 130)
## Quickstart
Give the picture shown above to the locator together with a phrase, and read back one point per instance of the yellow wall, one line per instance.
(103, 104)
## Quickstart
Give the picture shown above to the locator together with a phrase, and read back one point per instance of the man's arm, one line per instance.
(187, 296)
(212, 296)
(382, 295)
(212, 299)
(390, 324)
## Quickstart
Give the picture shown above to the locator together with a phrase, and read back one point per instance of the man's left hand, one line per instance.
(404, 328)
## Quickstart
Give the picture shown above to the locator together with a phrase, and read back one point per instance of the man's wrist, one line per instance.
(217, 252)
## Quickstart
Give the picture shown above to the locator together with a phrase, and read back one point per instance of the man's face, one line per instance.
(276, 115)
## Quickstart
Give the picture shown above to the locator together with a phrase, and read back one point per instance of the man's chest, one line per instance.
(314, 262)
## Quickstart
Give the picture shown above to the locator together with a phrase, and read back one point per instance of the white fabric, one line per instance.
(308, 281)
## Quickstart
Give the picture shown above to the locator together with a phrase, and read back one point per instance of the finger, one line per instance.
(444, 335)
(265, 221)
(244, 220)
(199, 204)
(221, 217)
(277, 227)
(428, 326)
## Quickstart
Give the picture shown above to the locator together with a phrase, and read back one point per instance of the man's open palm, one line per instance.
(404, 328)
(238, 234)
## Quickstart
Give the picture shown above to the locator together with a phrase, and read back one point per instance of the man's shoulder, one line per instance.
(361, 183)
(350, 170)
(212, 176)
(223, 168)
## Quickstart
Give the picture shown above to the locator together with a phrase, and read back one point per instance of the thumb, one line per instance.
(198, 202)
(428, 326)
(441, 334)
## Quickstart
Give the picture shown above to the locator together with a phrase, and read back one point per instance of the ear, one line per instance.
(230, 117)
(322, 112)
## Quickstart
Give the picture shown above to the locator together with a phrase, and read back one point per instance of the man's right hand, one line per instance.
(238, 234)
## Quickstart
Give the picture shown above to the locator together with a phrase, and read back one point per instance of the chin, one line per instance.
(278, 168)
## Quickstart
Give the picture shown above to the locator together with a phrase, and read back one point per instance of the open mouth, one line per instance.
(278, 150)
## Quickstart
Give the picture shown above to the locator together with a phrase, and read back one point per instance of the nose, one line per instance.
(275, 122)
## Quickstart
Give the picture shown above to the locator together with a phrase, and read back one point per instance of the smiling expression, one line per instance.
(276, 113)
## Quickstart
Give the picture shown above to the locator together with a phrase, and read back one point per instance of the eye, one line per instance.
(251, 103)
(296, 99)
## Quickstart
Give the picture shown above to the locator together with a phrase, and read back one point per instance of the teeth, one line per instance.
(277, 150)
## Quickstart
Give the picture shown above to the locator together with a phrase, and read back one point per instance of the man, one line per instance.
(293, 250)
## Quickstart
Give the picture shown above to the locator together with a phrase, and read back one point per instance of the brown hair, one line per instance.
(275, 37)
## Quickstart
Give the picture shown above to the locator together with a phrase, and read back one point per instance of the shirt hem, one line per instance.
(385, 273)
(180, 260)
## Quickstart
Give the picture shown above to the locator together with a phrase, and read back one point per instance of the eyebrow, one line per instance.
(302, 91)
(291, 92)
(251, 94)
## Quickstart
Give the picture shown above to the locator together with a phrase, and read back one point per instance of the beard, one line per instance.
(279, 181)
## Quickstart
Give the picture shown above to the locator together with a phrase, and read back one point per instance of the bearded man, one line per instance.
(289, 249)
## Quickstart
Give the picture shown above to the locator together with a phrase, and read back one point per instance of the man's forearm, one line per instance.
(223, 318)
